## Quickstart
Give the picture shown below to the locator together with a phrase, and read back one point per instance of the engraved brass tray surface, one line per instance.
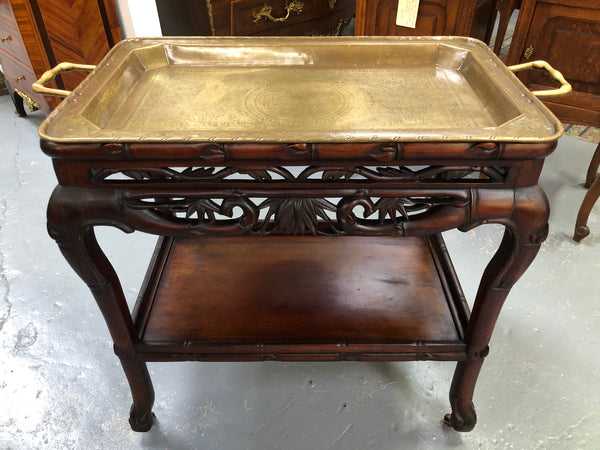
(292, 89)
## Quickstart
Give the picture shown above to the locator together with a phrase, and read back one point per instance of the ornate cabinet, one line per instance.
(435, 18)
(35, 36)
(254, 17)
(566, 33)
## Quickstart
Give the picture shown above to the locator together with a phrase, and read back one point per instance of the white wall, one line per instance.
(138, 18)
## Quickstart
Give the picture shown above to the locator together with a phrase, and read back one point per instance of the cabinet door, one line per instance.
(568, 37)
(378, 18)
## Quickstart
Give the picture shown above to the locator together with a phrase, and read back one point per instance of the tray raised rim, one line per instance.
(67, 124)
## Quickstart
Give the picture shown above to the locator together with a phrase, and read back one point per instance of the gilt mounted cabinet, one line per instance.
(566, 33)
(254, 17)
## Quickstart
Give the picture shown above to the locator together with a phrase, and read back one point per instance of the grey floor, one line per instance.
(62, 387)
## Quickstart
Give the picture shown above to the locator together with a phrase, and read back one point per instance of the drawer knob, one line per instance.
(20, 77)
(528, 53)
(293, 6)
(6, 38)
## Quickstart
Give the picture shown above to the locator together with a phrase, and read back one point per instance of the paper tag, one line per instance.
(407, 13)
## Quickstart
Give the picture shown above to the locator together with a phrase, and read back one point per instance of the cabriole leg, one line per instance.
(68, 224)
(525, 230)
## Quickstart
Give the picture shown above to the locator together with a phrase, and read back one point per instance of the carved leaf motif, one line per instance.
(384, 153)
(484, 149)
(400, 173)
(259, 175)
(204, 209)
(456, 174)
(198, 172)
(389, 207)
(476, 174)
(334, 175)
(296, 215)
(138, 175)
(212, 154)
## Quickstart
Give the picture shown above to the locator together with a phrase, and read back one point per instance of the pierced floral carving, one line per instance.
(474, 174)
(296, 215)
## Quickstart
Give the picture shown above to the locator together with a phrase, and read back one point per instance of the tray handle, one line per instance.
(565, 86)
(51, 74)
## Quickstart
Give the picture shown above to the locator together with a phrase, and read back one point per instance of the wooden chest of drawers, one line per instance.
(35, 36)
(14, 59)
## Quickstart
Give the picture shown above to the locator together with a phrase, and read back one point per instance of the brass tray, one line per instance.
(292, 89)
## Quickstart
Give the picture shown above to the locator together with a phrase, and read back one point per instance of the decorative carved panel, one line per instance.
(360, 213)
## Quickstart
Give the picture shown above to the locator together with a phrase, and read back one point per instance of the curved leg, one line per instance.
(593, 168)
(581, 229)
(505, 8)
(77, 242)
(525, 231)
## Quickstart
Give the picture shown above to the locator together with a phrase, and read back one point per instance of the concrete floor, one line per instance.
(62, 387)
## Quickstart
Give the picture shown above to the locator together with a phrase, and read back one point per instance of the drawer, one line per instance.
(6, 11)
(11, 42)
(310, 13)
(20, 77)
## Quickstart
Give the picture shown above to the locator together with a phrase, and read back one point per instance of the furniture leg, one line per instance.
(19, 105)
(525, 231)
(69, 226)
(141, 417)
(505, 9)
(581, 228)
(593, 168)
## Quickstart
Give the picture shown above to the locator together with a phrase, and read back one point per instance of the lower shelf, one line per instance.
(301, 298)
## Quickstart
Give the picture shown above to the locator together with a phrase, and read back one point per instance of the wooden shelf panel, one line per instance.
(240, 294)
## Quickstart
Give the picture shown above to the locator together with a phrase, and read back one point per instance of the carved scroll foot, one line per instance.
(141, 417)
(463, 417)
(141, 422)
(460, 421)
(581, 229)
